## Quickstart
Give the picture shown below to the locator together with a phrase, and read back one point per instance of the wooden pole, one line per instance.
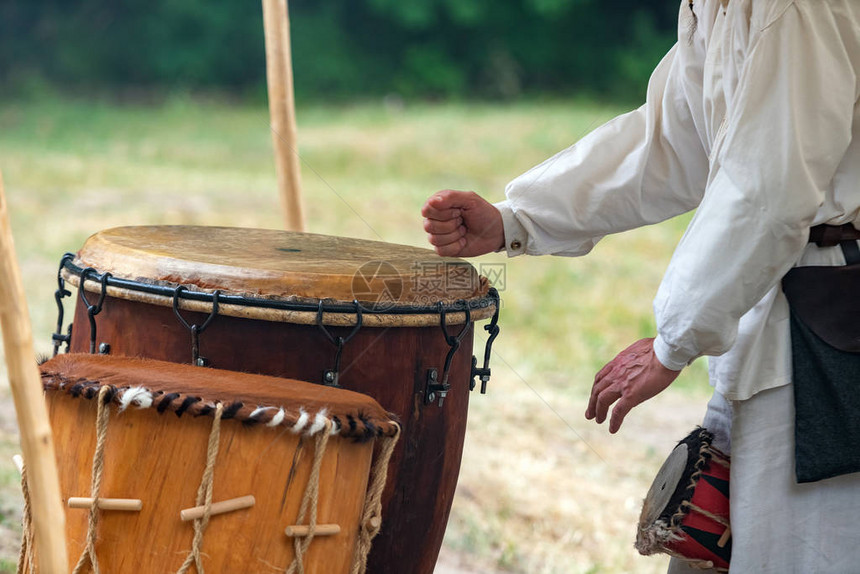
(49, 520)
(282, 110)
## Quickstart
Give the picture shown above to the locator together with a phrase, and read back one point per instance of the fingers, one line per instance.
(602, 372)
(446, 205)
(443, 221)
(604, 400)
(439, 227)
(442, 239)
(619, 412)
(450, 250)
(445, 214)
(446, 236)
(603, 379)
(598, 387)
(462, 224)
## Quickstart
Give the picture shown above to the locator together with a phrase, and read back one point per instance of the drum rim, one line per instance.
(334, 312)
(362, 422)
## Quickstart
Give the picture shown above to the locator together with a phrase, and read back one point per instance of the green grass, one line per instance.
(72, 168)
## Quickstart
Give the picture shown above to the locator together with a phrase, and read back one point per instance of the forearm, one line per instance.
(638, 169)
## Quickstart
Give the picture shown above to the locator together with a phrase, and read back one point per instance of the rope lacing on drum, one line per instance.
(102, 417)
(371, 517)
(310, 502)
(27, 555)
(204, 494)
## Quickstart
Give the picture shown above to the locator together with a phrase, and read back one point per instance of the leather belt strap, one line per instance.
(833, 235)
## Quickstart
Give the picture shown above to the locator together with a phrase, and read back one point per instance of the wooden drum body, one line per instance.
(157, 436)
(288, 304)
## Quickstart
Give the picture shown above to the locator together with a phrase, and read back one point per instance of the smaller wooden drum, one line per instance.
(686, 510)
(174, 445)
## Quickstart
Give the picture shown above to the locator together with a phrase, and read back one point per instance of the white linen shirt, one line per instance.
(752, 117)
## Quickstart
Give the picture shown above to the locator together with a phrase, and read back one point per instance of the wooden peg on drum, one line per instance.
(221, 507)
(298, 531)
(123, 504)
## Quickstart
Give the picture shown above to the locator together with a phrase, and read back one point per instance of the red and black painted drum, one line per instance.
(391, 321)
(686, 511)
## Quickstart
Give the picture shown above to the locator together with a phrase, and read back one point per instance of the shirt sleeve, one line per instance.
(639, 168)
(784, 136)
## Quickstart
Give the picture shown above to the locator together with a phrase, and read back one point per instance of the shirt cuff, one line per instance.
(672, 360)
(516, 236)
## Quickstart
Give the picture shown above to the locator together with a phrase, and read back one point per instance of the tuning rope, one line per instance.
(371, 519)
(204, 495)
(27, 555)
(102, 417)
(310, 502)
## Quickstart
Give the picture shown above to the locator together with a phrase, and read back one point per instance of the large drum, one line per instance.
(390, 321)
(200, 469)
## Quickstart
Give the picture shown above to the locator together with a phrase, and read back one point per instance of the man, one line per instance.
(753, 118)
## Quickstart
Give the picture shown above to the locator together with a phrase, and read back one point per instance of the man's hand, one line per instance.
(462, 224)
(631, 378)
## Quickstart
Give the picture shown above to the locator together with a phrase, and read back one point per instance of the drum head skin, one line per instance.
(686, 511)
(280, 264)
(665, 484)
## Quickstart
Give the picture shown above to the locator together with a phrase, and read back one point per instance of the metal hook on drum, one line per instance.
(58, 337)
(331, 377)
(493, 330)
(195, 330)
(93, 310)
(434, 387)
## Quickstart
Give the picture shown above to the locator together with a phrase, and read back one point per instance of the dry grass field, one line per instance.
(542, 490)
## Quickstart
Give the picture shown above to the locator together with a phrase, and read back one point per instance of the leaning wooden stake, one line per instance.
(282, 110)
(49, 520)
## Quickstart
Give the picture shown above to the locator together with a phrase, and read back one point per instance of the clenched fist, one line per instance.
(462, 224)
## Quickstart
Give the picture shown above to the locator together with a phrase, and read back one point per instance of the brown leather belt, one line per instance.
(833, 235)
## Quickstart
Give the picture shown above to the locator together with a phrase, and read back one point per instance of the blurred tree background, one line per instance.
(342, 49)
